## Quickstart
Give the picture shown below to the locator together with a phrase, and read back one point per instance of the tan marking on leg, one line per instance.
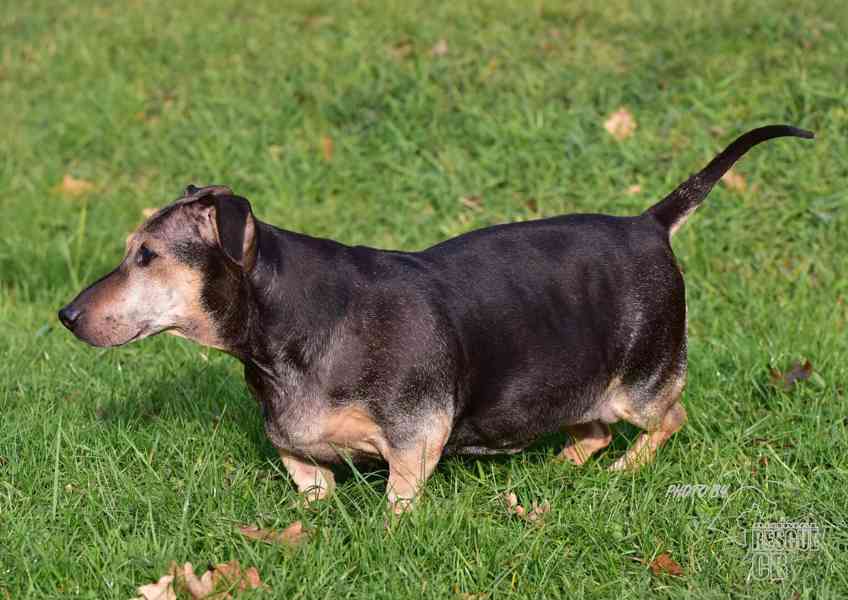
(586, 439)
(411, 466)
(645, 449)
(313, 481)
(352, 428)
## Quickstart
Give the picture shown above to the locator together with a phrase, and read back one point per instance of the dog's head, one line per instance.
(182, 273)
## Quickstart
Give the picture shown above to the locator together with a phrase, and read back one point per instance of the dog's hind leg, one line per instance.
(313, 481)
(586, 439)
(660, 419)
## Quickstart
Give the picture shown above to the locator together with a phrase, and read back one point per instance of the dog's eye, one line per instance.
(144, 256)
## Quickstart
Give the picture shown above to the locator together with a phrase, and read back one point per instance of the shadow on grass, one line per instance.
(213, 395)
(210, 394)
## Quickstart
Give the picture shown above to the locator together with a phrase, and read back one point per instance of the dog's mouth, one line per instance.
(105, 342)
(141, 334)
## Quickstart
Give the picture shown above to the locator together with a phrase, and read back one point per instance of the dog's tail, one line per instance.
(673, 210)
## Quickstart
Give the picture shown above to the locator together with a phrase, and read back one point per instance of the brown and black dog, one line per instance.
(478, 345)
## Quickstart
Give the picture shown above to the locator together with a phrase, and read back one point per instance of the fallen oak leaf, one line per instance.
(512, 505)
(216, 582)
(734, 181)
(251, 576)
(620, 124)
(230, 574)
(275, 150)
(317, 21)
(292, 535)
(186, 580)
(664, 564)
(537, 512)
(798, 372)
(159, 590)
(327, 147)
(489, 70)
(402, 49)
(71, 186)
(472, 202)
(549, 44)
(440, 48)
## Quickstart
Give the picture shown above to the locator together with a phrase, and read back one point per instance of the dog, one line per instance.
(478, 345)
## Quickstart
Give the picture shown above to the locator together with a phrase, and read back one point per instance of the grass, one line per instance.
(113, 463)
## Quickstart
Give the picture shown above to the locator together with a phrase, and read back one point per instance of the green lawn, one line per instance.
(115, 462)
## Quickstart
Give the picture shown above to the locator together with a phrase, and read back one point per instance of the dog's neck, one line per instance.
(291, 301)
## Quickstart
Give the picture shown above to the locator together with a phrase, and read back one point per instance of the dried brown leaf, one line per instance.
(402, 49)
(214, 584)
(798, 372)
(734, 181)
(229, 576)
(472, 202)
(510, 499)
(71, 186)
(327, 147)
(251, 577)
(664, 564)
(228, 573)
(535, 513)
(318, 21)
(292, 535)
(276, 151)
(159, 590)
(489, 69)
(440, 48)
(549, 43)
(620, 124)
(198, 587)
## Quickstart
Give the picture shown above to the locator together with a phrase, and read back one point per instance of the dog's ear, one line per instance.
(236, 229)
(226, 221)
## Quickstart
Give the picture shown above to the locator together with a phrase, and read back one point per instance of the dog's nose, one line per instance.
(69, 316)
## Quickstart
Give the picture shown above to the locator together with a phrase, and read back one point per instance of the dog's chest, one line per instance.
(300, 420)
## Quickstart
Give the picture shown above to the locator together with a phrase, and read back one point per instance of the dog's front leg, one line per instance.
(312, 480)
(411, 465)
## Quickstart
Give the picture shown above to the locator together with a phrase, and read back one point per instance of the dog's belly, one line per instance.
(509, 423)
(479, 451)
